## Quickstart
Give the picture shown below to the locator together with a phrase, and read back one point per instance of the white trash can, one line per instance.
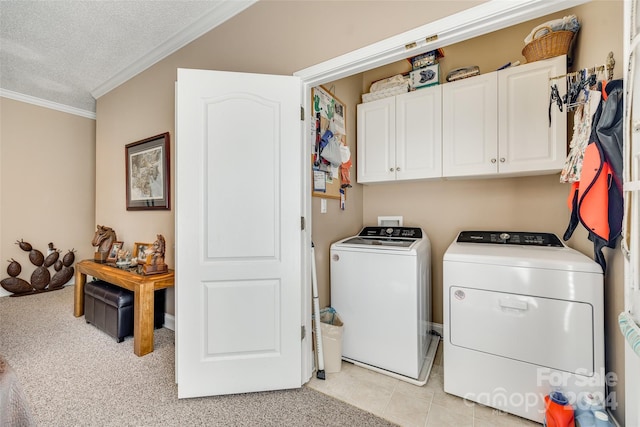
(331, 328)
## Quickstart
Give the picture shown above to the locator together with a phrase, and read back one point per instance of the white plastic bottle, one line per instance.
(602, 419)
(586, 410)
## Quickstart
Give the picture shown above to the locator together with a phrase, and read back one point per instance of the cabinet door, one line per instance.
(419, 134)
(470, 126)
(528, 142)
(376, 140)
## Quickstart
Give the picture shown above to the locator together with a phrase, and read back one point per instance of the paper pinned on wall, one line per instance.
(331, 112)
(319, 181)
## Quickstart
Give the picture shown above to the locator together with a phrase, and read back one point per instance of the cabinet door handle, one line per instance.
(390, 169)
(502, 159)
(397, 169)
(493, 160)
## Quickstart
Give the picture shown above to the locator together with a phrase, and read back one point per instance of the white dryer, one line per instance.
(523, 316)
(381, 289)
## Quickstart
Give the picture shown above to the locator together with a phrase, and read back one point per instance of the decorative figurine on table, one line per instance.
(154, 263)
(123, 259)
(102, 239)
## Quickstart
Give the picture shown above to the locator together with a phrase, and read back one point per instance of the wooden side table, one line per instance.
(143, 288)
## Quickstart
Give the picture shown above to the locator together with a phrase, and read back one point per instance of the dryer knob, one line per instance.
(505, 236)
(389, 231)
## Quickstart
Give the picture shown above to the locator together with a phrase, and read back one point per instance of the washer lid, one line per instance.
(521, 255)
(378, 241)
(398, 238)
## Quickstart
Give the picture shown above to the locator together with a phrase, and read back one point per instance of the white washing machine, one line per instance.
(381, 288)
(523, 316)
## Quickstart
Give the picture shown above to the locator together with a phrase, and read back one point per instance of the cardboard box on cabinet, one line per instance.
(424, 77)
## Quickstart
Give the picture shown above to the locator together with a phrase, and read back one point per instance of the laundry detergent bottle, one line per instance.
(585, 410)
(558, 412)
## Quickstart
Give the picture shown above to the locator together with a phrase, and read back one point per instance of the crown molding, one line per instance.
(224, 11)
(46, 104)
(473, 22)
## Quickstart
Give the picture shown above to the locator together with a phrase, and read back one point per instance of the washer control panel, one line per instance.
(406, 232)
(510, 238)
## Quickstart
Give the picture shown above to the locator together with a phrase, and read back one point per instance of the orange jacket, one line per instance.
(596, 201)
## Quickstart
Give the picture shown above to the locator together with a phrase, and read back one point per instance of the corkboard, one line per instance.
(331, 112)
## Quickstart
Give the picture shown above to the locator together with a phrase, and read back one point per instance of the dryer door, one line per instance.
(547, 332)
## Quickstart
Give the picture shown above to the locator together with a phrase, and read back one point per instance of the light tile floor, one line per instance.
(408, 405)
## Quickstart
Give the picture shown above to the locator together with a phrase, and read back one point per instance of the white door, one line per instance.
(376, 136)
(470, 126)
(474, 311)
(238, 236)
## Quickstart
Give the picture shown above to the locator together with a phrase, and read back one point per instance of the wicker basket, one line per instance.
(554, 43)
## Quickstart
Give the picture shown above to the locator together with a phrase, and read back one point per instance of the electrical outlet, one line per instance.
(323, 205)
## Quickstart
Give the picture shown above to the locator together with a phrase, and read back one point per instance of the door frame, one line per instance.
(473, 22)
(632, 190)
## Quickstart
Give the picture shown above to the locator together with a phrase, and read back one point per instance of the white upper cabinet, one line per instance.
(498, 123)
(376, 140)
(400, 137)
(527, 140)
(470, 126)
(419, 134)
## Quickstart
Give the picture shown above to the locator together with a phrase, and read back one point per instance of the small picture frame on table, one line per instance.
(113, 251)
(139, 249)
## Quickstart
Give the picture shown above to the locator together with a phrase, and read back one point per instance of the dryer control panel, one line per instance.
(510, 238)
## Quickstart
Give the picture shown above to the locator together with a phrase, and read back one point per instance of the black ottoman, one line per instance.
(110, 308)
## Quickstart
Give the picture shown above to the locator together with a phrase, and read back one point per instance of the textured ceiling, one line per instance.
(65, 51)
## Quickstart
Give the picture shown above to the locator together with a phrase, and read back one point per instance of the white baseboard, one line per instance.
(169, 321)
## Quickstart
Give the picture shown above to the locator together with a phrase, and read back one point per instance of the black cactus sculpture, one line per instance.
(41, 279)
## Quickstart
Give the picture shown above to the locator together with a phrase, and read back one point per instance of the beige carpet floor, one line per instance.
(75, 375)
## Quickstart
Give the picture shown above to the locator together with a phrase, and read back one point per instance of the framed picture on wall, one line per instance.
(147, 170)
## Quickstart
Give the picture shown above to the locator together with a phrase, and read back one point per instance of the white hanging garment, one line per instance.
(588, 104)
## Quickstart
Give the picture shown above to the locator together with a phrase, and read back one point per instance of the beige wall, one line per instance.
(443, 208)
(47, 182)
